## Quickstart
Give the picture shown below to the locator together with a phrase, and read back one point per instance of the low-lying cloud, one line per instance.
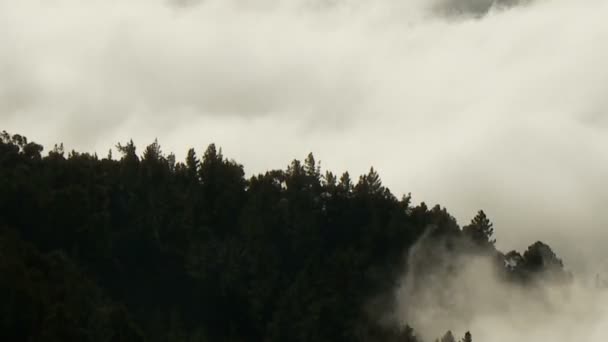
(468, 294)
(498, 109)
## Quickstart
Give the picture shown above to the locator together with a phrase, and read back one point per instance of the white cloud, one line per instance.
(504, 112)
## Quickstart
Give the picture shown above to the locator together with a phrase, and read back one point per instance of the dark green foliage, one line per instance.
(480, 230)
(194, 251)
(46, 298)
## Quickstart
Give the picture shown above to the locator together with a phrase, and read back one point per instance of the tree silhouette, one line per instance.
(448, 337)
(480, 230)
(150, 248)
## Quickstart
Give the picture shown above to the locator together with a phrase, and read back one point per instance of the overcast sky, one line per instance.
(462, 103)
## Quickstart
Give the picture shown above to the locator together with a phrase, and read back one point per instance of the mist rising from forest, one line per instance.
(470, 103)
(468, 294)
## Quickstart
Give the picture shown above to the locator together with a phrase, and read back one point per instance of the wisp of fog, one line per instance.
(493, 104)
(439, 293)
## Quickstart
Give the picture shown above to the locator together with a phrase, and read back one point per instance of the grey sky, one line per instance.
(504, 112)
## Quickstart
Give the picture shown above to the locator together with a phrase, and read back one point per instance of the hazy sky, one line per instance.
(460, 102)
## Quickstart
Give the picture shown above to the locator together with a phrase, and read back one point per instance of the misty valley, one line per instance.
(141, 247)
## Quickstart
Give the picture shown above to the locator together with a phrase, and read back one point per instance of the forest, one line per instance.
(141, 247)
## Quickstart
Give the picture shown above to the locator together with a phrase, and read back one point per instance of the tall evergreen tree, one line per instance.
(480, 230)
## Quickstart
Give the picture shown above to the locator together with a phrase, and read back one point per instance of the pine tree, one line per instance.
(128, 151)
(370, 183)
(345, 185)
(330, 180)
(448, 337)
(311, 168)
(480, 230)
(192, 164)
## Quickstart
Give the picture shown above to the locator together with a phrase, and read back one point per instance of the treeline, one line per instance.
(144, 248)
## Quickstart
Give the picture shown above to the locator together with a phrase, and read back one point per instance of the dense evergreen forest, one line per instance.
(139, 247)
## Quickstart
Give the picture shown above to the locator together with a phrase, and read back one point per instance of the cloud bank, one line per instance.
(501, 107)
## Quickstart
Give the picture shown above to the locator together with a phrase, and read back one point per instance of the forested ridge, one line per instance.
(140, 247)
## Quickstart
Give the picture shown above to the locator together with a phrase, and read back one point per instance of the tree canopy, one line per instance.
(145, 248)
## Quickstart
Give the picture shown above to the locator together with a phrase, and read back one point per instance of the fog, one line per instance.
(494, 105)
(468, 294)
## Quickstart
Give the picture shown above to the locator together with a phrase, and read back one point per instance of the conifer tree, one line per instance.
(480, 230)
